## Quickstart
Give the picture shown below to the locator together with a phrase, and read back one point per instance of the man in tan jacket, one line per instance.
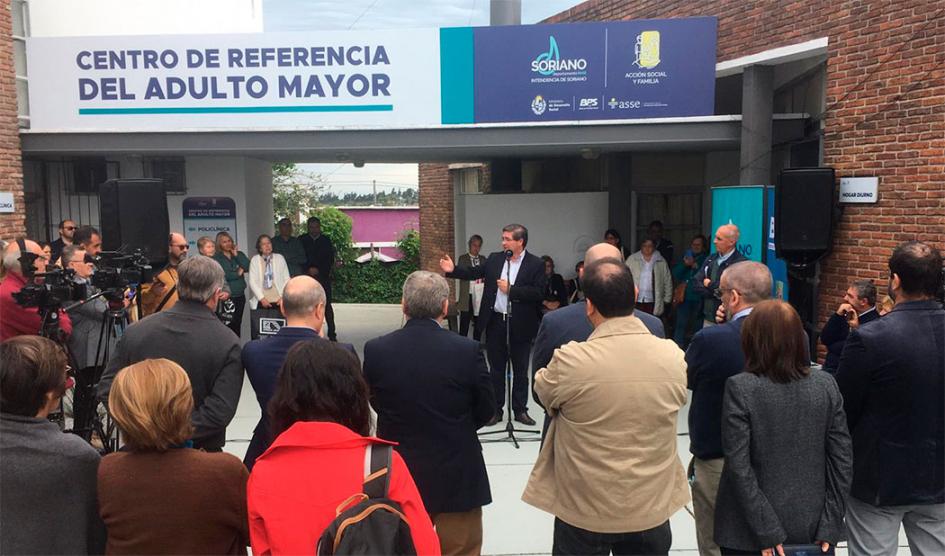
(609, 470)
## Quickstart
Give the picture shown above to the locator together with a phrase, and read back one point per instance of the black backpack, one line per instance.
(375, 524)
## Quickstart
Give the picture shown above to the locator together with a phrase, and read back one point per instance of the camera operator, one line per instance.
(18, 320)
(87, 319)
(90, 240)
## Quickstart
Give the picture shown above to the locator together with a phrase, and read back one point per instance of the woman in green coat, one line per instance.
(235, 265)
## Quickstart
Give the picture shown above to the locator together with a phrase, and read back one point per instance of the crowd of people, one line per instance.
(783, 453)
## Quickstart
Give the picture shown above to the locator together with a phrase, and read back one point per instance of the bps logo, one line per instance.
(539, 105)
(588, 104)
(647, 50)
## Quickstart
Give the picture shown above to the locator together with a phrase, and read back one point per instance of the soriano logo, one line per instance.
(647, 49)
(550, 63)
(539, 105)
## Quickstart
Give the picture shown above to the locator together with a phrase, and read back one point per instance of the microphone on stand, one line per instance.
(508, 253)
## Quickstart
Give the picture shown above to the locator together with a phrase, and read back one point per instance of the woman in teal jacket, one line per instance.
(235, 265)
(689, 312)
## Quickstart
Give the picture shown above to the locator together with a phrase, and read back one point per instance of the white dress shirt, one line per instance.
(510, 273)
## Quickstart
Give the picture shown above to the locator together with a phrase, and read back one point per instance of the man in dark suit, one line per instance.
(858, 308)
(303, 306)
(714, 355)
(570, 324)
(319, 263)
(513, 291)
(892, 377)
(67, 230)
(435, 425)
(707, 280)
(191, 335)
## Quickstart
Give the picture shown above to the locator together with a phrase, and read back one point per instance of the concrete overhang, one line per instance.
(440, 144)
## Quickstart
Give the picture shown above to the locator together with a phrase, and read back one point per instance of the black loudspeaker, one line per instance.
(804, 208)
(133, 215)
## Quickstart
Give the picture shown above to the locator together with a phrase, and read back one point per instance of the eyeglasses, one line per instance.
(184, 246)
(721, 291)
(68, 227)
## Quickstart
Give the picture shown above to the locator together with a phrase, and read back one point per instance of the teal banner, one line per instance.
(743, 206)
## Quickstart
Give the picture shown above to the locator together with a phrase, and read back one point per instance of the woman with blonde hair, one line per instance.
(235, 266)
(159, 495)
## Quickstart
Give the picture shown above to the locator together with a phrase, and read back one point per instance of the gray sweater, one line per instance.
(47, 490)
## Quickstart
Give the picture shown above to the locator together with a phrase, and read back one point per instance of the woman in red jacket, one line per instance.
(321, 418)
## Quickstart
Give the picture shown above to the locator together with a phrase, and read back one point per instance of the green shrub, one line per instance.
(374, 281)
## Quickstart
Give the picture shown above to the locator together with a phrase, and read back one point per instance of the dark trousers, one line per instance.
(236, 325)
(645, 307)
(688, 321)
(465, 317)
(498, 355)
(329, 311)
(569, 539)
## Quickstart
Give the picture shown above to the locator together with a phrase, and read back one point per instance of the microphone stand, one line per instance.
(509, 429)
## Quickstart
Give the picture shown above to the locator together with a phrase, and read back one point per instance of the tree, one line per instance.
(295, 192)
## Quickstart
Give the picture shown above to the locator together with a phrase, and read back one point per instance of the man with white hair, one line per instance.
(190, 335)
(18, 320)
(432, 391)
(303, 306)
(707, 281)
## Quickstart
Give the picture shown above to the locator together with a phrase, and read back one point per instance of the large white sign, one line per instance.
(329, 79)
(859, 190)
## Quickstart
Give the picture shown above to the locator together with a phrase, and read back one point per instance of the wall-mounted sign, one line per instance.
(859, 190)
(208, 216)
(6, 202)
(373, 79)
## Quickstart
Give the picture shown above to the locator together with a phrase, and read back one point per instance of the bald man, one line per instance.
(303, 306)
(161, 294)
(707, 280)
(18, 320)
(570, 324)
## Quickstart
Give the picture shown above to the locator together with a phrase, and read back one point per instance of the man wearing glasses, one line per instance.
(66, 233)
(714, 355)
(16, 320)
(161, 294)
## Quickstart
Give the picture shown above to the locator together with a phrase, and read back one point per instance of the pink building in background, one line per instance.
(380, 228)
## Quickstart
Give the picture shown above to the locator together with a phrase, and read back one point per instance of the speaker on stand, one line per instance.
(805, 212)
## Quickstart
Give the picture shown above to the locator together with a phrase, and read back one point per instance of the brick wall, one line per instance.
(886, 116)
(11, 166)
(436, 214)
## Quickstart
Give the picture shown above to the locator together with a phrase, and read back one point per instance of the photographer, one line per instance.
(18, 320)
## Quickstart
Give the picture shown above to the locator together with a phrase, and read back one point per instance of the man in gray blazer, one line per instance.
(190, 334)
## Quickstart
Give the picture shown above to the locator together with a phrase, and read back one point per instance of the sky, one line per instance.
(311, 15)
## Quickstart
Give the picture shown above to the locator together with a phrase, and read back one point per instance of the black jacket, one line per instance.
(190, 335)
(319, 253)
(432, 391)
(708, 293)
(892, 377)
(834, 336)
(526, 294)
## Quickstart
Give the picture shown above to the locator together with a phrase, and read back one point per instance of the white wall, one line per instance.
(63, 18)
(562, 225)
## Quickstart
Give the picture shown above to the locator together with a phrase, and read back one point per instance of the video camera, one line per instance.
(56, 288)
(115, 271)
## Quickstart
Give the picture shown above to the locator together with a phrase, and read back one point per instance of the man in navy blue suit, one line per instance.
(714, 355)
(892, 377)
(303, 306)
(435, 424)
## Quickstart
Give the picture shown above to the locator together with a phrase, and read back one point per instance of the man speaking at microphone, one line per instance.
(512, 293)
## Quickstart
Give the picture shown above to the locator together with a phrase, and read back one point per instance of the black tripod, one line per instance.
(87, 420)
(509, 429)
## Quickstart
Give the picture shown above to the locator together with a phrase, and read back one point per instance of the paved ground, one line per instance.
(510, 526)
